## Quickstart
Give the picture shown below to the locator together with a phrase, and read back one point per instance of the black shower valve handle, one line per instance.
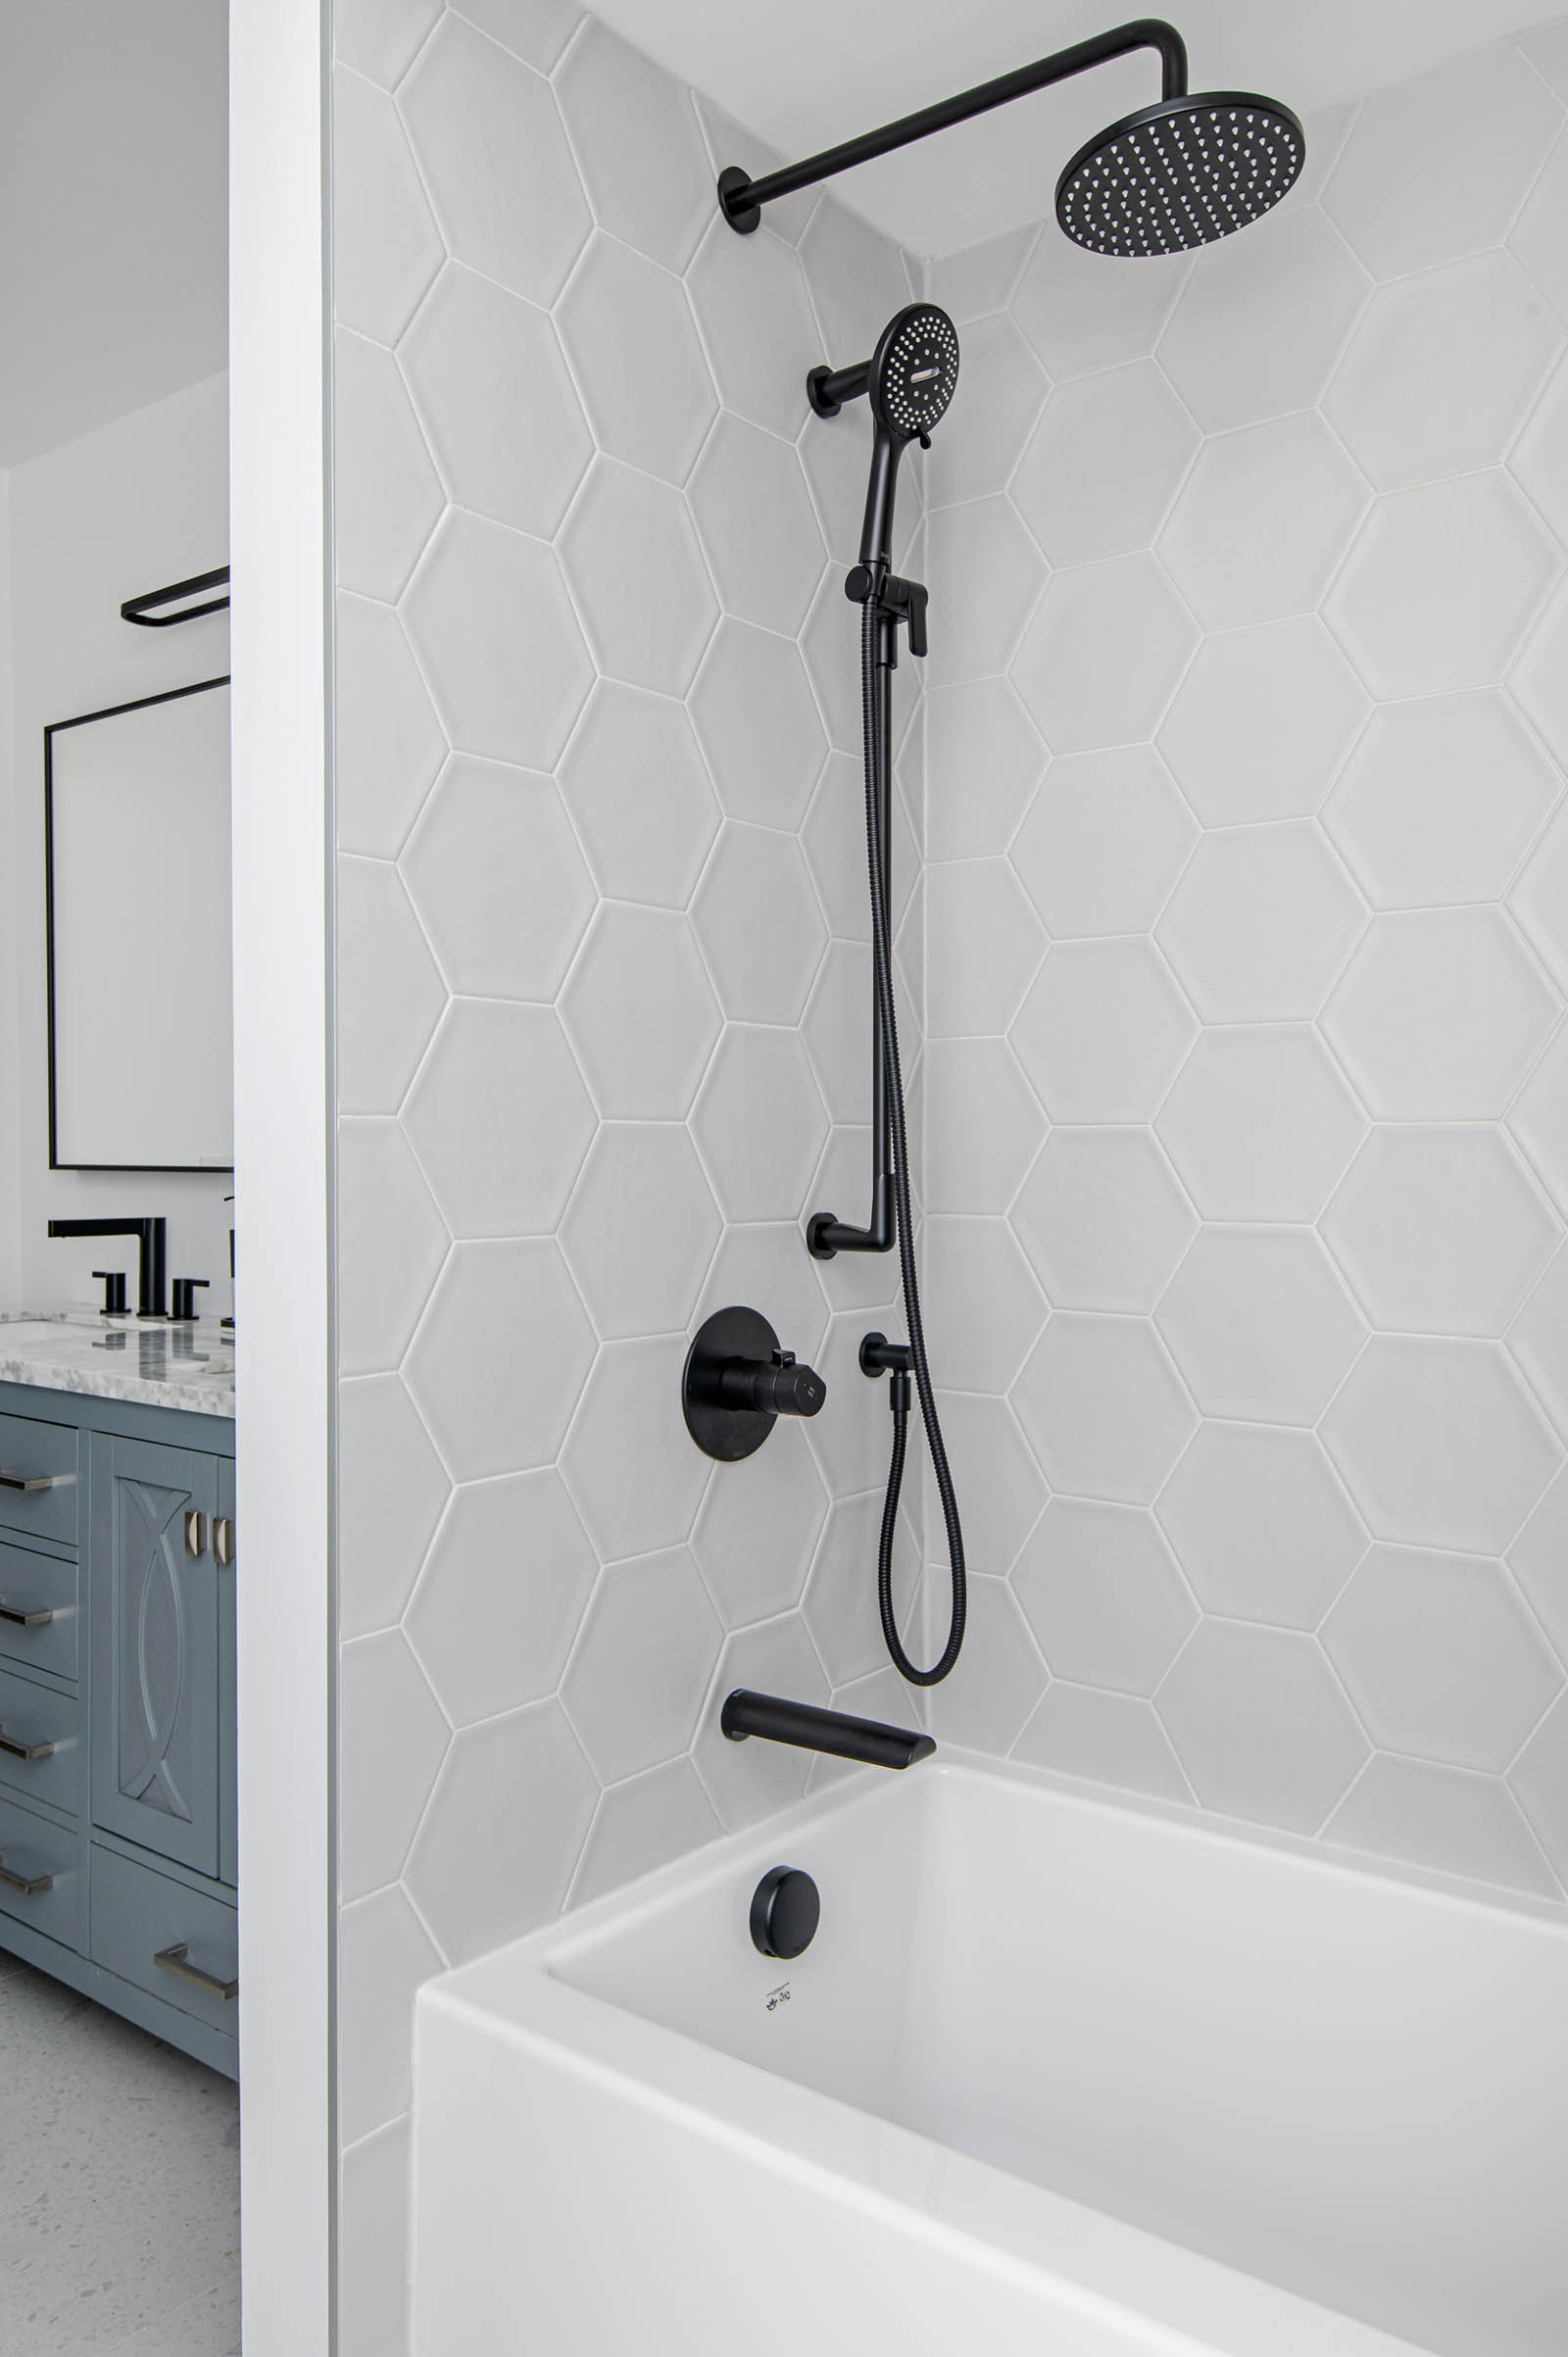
(778, 1387)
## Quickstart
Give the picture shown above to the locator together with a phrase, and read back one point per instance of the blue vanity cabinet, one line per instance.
(118, 1854)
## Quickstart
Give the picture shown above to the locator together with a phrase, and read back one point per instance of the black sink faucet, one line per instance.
(152, 1236)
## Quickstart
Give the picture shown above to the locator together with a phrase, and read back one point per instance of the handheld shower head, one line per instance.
(909, 381)
(1181, 173)
(913, 373)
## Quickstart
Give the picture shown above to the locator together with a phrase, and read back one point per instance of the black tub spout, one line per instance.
(811, 1728)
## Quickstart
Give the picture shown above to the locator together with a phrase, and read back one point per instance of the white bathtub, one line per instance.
(1056, 2077)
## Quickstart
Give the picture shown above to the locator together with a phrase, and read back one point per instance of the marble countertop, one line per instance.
(158, 1365)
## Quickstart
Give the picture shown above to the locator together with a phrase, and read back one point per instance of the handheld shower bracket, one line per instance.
(893, 601)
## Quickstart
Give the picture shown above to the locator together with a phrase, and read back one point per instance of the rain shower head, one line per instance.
(1181, 173)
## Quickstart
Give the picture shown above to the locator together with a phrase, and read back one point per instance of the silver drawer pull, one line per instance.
(173, 1960)
(223, 1539)
(21, 1618)
(28, 1885)
(195, 1532)
(19, 1749)
(27, 1481)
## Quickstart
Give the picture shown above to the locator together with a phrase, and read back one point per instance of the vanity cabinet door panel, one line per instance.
(227, 1680)
(154, 1648)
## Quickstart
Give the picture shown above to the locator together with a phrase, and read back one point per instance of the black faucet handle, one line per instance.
(780, 1385)
(114, 1285)
(185, 1289)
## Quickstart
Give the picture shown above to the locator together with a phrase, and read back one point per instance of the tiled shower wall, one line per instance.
(1242, 945)
(1247, 1074)
(603, 995)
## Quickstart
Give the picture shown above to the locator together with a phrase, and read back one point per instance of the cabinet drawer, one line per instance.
(33, 1851)
(33, 1585)
(35, 1720)
(139, 1914)
(31, 1451)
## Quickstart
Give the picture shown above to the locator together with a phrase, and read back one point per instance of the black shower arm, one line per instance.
(741, 198)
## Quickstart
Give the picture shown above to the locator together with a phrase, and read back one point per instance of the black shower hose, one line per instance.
(877, 859)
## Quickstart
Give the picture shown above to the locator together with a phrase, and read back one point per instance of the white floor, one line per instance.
(118, 2185)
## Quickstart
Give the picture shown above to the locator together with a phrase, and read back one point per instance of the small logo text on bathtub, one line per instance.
(778, 1996)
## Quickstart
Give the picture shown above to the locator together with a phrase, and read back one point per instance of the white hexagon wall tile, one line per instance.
(1443, 585)
(1261, 322)
(1260, 1122)
(1231, 566)
(1104, 464)
(477, 359)
(1260, 1525)
(1440, 370)
(1104, 1219)
(600, 1044)
(1102, 841)
(1440, 799)
(1104, 1597)
(1226, 737)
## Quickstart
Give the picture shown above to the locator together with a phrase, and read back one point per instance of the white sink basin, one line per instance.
(18, 1334)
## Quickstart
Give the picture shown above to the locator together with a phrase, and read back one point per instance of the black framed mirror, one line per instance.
(140, 1011)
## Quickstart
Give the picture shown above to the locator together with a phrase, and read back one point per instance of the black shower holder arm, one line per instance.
(895, 601)
(741, 198)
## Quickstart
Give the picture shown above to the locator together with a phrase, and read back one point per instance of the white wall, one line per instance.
(133, 506)
(277, 359)
(1247, 1071)
(9, 1078)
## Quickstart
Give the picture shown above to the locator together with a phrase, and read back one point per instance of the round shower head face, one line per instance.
(1181, 173)
(914, 371)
